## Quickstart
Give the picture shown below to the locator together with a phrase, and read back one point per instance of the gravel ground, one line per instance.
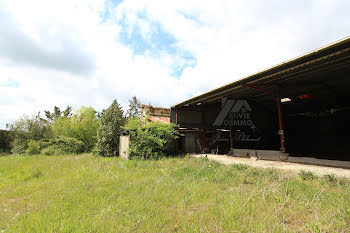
(286, 166)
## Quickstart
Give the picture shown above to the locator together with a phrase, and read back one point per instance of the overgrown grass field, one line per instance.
(85, 193)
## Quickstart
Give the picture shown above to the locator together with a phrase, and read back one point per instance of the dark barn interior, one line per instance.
(299, 107)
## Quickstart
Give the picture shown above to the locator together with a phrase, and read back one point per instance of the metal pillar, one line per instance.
(231, 136)
(205, 143)
(281, 125)
(277, 95)
(176, 116)
(177, 139)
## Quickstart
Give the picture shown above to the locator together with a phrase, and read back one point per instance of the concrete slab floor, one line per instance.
(286, 166)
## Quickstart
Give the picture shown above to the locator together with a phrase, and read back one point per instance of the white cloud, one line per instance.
(70, 56)
(231, 39)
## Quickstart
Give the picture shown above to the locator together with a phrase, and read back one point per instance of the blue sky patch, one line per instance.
(10, 82)
(186, 59)
(108, 6)
(194, 18)
(156, 42)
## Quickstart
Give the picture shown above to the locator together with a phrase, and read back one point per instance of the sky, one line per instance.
(90, 52)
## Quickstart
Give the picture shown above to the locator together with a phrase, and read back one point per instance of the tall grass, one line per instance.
(93, 194)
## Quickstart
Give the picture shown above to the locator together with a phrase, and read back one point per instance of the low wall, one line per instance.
(275, 156)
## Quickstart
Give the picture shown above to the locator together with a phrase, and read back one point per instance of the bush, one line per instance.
(20, 149)
(54, 146)
(33, 148)
(153, 141)
(64, 145)
(96, 151)
(55, 150)
(49, 151)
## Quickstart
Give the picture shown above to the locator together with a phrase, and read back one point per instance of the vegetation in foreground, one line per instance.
(85, 193)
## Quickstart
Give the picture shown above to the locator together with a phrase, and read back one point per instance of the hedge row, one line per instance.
(55, 146)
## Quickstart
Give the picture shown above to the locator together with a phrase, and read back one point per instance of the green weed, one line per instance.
(307, 175)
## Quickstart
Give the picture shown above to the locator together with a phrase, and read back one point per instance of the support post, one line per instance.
(205, 143)
(283, 155)
(176, 116)
(177, 139)
(277, 95)
(231, 152)
(231, 135)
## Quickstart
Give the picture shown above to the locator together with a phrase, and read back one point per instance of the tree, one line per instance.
(30, 128)
(57, 113)
(134, 108)
(111, 122)
(82, 125)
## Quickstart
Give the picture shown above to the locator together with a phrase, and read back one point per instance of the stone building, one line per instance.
(154, 114)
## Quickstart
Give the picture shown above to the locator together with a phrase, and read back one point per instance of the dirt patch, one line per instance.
(286, 166)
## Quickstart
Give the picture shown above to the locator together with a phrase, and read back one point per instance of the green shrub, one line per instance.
(96, 151)
(62, 145)
(48, 151)
(20, 149)
(55, 150)
(33, 147)
(54, 146)
(153, 141)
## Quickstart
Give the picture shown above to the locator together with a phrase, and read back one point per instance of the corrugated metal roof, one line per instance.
(332, 56)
